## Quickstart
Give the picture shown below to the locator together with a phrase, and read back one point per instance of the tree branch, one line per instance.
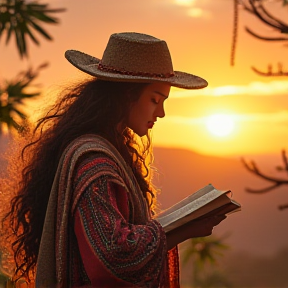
(264, 16)
(265, 38)
(269, 72)
(276, 182)
(253, 168)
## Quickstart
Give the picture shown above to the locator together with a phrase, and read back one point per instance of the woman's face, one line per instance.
(150, 105)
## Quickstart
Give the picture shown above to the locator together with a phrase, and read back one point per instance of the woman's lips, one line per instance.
(150, 125)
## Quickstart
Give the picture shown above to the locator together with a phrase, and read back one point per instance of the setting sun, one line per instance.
(220, 124)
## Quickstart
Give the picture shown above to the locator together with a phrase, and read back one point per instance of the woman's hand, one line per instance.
(197, 228)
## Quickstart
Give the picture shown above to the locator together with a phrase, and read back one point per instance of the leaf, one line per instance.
(10, 30)
(20, 45)
(40, 30)
(40, 15)
(15, 92)
(32, 36)
(29, 15)
(19, 113)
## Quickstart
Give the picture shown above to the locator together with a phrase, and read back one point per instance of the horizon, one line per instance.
(255, 105)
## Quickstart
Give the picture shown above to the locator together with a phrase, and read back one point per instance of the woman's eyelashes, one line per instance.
(154, 101)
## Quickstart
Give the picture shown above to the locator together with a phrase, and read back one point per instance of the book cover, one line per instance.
(207, 201)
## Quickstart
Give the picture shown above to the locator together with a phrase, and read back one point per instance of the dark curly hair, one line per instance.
(94, 106)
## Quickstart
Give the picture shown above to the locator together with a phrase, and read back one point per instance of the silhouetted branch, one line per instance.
(253, 168)
(282, 25)
(248, 30)
(256, 8)
(276, 182)
(235, 32)
(263, 190)
(269, 72)
(285, 160)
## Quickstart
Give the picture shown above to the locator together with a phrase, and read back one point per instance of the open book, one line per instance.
(206, 202)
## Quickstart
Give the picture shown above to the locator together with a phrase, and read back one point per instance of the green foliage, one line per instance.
(204, 249)
(5, 280)
(23, 19)
(204, 252)
(12, 94)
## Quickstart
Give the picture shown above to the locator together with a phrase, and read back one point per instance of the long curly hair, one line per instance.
(93, 106)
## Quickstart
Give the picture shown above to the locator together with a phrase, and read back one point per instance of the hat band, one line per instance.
(111, 69)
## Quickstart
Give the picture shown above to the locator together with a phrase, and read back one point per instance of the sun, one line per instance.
(220, 124)
(184, 2)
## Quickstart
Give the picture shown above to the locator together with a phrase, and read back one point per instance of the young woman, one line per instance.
(83, 213)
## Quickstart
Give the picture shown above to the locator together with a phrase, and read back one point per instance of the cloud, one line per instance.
(198, 13)
(192, 8)
(254, 89)
(186, 3)
(280, 117)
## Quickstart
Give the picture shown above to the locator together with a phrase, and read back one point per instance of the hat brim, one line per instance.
(89, 65)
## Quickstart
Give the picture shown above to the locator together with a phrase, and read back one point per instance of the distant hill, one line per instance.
(257, 236)
(260, 228)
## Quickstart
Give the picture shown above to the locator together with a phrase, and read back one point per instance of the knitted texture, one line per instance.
(130, 252)
(130, 245)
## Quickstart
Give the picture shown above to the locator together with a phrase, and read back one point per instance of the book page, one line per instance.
(199, 198)
(194, 210)
(198, 214)
(205, 202)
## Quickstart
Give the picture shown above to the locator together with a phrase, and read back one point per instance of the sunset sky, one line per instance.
(199, 35)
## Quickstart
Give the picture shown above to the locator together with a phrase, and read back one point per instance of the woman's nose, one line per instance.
(161, 112)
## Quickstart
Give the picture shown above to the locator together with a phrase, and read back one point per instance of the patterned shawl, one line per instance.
(53, 260)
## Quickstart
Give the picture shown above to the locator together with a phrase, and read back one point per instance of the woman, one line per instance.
(83, 214)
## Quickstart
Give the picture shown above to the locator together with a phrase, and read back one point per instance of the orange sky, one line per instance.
(199, 36)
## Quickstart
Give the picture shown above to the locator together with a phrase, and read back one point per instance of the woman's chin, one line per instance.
(141, 133)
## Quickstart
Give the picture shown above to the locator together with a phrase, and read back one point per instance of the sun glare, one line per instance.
(184, 2)
(220, 124)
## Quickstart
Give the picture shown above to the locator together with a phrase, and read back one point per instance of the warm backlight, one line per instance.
(220, 124)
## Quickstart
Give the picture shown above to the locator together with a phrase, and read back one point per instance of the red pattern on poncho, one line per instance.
(108, 239)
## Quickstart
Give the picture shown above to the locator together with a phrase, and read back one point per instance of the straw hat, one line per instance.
(135, 57)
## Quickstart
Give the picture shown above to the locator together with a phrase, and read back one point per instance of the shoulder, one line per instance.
(95, 162)
(95, 168)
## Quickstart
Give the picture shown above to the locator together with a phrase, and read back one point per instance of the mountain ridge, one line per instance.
(257, 229)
